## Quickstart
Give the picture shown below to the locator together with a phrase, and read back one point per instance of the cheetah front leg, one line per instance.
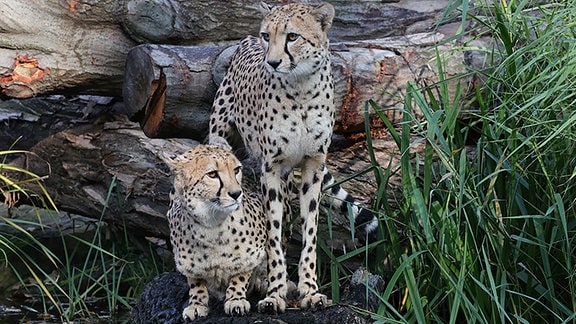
(235, 303)
(273, 207)
(198, 302)
(312, 173)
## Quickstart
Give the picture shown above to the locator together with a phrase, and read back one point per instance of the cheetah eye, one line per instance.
(237, 170)
(212, 174)
(265, 37)
(292, 37)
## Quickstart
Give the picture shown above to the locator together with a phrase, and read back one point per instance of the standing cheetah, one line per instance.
(279, 95)
(218, 233)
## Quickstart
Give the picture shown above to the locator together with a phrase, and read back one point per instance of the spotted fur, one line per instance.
(279, 95)
(218, 233)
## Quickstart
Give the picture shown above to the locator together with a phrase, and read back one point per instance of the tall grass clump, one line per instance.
(486, 232)
(12, 188)
(90, 274)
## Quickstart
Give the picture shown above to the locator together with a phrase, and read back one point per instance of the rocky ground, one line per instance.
(166, 296)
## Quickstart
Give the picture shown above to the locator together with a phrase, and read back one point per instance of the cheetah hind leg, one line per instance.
(236, 303)
(198, 302)
(309, 197)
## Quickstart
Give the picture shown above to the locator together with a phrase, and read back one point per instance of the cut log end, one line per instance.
(169, 90)
(154, 108)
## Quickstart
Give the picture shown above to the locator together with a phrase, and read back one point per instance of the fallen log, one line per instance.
(112, 170)
(170, 89)
(194, 22)
(75, 47)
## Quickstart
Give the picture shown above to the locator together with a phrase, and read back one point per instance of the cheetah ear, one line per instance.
(324, 14)
(220, 141)
(265, 8)
(171, 161)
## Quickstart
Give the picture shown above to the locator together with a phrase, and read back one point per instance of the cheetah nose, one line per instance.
(235, 194)
(274, 64)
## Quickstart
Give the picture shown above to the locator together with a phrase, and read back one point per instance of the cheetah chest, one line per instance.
(289, 124)
(298, 133)
(219, 253)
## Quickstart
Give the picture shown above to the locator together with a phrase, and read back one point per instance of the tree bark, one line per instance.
(79, 46)
(170, 89)
(194, 22)
(113, 169)
(61, 46)
(109, 169)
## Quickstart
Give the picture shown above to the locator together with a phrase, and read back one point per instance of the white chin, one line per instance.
(230, 208)
(276, 71)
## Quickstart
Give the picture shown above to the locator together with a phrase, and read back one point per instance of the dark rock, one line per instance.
(163, 300)
(364, 290)
(165, 297)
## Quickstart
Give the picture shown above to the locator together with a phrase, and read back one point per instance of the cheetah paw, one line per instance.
(314, 301)
(272, 304)
(237, 307)
(195, 311)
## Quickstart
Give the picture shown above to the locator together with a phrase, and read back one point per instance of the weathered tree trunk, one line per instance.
(193, 22)
(171, 88)
(58, 46)
(83, 164)
(79, 46)
(112, 167)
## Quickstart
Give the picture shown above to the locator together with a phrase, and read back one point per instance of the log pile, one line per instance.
(170, 88)
(74, 46)
(110, 168)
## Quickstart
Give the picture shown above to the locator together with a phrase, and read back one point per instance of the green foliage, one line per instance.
(82, 272)
(12, 181)
(93, 273)
(486, 231)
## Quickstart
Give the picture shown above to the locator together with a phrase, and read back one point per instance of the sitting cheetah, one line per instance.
(278, 94)
(218, 233)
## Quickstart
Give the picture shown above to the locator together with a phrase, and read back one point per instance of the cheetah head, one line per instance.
(207, 183)
(294, 37)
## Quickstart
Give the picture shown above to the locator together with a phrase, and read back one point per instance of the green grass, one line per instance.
(486, 230)
(83, 275)
(12, 182)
